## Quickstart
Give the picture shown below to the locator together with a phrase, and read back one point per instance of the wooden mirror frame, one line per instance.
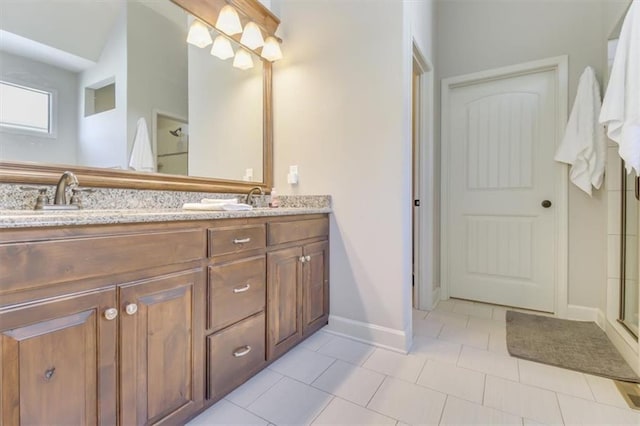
(207, 11)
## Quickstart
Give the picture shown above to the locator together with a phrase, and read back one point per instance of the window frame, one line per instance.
(53, 110)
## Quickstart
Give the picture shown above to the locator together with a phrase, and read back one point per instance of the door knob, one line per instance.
(546, 204)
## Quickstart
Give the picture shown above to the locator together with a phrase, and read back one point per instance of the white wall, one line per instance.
(62, 148)
(156, 65)
(479, 35)
(102, 138)
(225, 117)
(342, 114)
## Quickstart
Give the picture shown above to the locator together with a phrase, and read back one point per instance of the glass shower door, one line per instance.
(629, 282)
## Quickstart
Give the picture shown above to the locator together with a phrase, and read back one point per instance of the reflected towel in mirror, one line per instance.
(142, 159)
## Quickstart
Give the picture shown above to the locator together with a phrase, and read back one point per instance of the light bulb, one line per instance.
(199, 34)
(252, 36)
(271, 50)
(243, 60)
(222, 48)
(228, 21)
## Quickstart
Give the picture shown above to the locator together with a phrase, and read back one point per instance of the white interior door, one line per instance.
(501, 136)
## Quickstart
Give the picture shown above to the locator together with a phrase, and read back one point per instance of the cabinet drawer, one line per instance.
(234, 355)
(35, 264)
(236, 290)
(284, 232)
(236, 239)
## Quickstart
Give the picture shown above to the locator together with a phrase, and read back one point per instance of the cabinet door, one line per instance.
(315, 286)
(58, 362)
(161, 348)
(284, 300)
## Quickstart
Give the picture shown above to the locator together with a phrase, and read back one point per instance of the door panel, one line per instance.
(284, 300)
(161, 348)
(58, 362)
(315, 286)
(502, 246)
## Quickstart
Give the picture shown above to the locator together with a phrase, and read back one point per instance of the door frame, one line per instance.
(424, 162)
(559, 65)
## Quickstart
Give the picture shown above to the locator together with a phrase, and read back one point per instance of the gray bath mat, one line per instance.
(576, 345)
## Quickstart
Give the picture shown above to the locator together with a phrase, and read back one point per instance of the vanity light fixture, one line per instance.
(242, 60)
(222, 48)
(228, 21)
(199, 34)
(252, 36)
(271, 50)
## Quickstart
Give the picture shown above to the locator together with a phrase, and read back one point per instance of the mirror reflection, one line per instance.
(115, 85)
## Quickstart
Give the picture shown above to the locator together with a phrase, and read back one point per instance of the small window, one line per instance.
(26, 109)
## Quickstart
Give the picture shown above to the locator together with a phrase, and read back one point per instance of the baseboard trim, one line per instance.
(585, 313)
(383, 337)
(628, 352)
(435, 297)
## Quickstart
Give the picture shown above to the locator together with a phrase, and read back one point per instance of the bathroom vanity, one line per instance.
(150, 317)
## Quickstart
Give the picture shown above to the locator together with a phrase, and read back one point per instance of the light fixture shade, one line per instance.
(222, 48)
(252, 36)
(243, 60)
(271, 50)
(199, 34)
(228, 21)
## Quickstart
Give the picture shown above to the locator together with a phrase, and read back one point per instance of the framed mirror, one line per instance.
(106, 75)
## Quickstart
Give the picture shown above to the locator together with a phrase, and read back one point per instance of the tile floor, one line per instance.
(458, 373)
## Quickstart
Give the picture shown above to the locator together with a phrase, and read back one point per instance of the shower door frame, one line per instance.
(623, 245)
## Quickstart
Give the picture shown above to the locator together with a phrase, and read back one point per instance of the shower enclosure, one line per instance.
(629, 282)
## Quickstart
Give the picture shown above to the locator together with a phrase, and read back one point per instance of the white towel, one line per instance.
(583, 145)
(237, 207)
(142, 158)
(216, 206)
(219, 201)
(621, 105)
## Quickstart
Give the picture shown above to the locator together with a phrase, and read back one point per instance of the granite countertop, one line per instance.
(33, 218)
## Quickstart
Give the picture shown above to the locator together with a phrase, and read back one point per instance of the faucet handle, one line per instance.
(43, 198)
(75, 194)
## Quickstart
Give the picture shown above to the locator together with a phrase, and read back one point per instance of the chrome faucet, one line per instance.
(249, 198)
(67, 180)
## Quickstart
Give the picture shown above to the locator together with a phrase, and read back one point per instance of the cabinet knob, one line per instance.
(131, 308)
(242, 351)
(307, 258)
(110, 314)
(302, 259)
(546, 204)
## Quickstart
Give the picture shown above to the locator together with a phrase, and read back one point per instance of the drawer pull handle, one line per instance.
(242, 351)
(241, 240)
(242, 289)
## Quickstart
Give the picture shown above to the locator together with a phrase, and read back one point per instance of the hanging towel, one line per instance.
(583, 145)
(621, 105)
(142, 157)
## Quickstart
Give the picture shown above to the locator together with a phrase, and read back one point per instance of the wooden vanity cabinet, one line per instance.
(297, 281)
(143, 324)
(80, 346)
